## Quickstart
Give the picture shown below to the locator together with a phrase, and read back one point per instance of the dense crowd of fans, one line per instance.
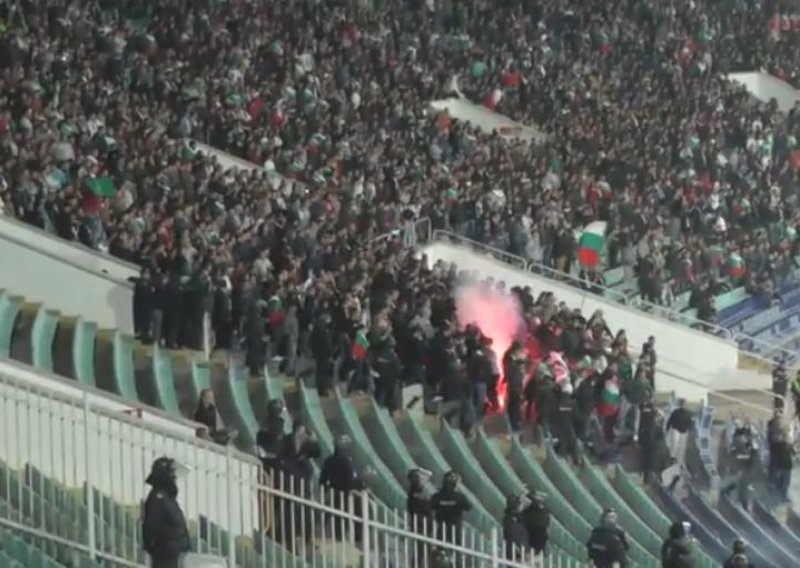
(645, 132)
(330, 101)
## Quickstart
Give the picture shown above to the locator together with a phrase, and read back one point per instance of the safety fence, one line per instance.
(73, 477)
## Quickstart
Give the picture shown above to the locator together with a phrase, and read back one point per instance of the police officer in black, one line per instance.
(340, 477)
(420, 508)
(738, 559)
(536, 517)
(608, 544)
(449, 505)
(515, 532)
(676, 552)
(780, 384)
(515, 364)
(165, 535)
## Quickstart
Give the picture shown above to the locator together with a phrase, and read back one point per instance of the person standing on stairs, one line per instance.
(420, 509)
(536, 517)
(515, 532)
(343, 482)
(738, 558)
(322, 350)
(165, 534)
(608, 544)
(515, 364)
(449, 506)
(676, 552)
(564, 422)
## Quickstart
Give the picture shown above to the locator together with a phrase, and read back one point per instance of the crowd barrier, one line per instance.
(66, 455)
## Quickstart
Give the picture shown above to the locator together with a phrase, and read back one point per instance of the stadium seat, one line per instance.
(531, 472)
(384, 483)
(314, 418)
(455, 449)
(567, 482)
(420, 444)
(83, 351)
(245, 417)
(43, 334)
(9, 309)
(598, 485)
(165, 383)
(499, 470)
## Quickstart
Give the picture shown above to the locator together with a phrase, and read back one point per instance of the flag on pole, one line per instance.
(102, 187)
(360, 346)
(592, 244)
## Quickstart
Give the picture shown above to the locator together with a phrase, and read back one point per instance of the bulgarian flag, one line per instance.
(717, 255)
(736, 267)
(609, 399)
(360, 346)
(275, 313)
(592, 244)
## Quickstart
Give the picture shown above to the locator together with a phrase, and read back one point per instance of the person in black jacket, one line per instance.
(342, 480)
(676, 551)
(420, 509)
(206, 414)
(165, 534)
(515, 533)
(270, 439)
(293, 473)
(608, 544)
(449, 505)
(144, 303)
(536, 517)
(322, 350)
(738, 558)
(564, 422)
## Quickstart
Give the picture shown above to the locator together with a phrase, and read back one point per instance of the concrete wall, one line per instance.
(66, 276)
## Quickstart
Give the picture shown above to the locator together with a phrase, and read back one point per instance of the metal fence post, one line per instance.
(89, 451)
(495, 551)
(365, 543)
(230, 490)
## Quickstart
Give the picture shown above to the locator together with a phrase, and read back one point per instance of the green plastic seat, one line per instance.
(165, 383)
(245, 417)
(565, 480)
(43, 334)
(83, 351)
(531, 472)
(9, 309)
(507, 481)
(644, 507)
(600, 488)
(124, 378)
(458, 454)
(201, 377)
(385, 486)
(430, 457)
(314, 418)
(387, 442)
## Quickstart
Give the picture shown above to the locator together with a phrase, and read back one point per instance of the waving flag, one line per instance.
(592, 244)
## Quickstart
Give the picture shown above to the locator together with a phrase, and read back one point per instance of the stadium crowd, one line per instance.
(646, 133)
(100, 102)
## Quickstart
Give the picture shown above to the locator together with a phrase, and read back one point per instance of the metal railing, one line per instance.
(639, 304)
(73, 473)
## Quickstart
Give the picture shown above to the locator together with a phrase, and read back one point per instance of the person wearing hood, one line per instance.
(676, 552)
(608, 544)
(536, 517)
(165, 534)
(515, 532)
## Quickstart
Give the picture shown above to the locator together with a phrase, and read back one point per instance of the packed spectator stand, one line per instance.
(332, 101)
